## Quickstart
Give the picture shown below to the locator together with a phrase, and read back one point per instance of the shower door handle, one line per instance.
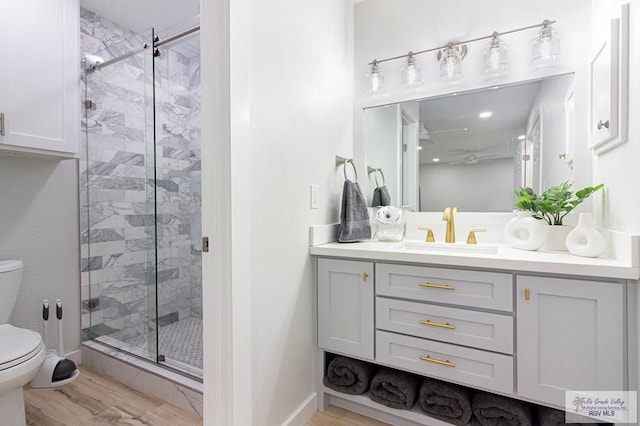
(2, 132)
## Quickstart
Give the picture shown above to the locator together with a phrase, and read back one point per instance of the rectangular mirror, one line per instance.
(470, 149)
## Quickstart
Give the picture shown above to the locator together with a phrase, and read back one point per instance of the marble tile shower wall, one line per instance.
(117, 187)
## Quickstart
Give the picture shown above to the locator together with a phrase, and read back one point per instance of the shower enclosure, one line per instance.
(140, 194)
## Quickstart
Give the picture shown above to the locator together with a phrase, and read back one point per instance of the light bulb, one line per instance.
(411, 73)
(495, 59)
(545, 47)
(376, 78)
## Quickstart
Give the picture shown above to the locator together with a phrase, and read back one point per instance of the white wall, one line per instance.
(291, 114)
(39, 225)
(483, 187)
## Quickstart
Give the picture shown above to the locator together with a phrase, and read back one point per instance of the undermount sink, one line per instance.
(451, 247)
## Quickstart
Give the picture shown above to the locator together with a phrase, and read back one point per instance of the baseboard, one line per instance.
(75, 356)
(304, 412)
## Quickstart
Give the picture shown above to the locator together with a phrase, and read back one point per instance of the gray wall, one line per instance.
(39, 225)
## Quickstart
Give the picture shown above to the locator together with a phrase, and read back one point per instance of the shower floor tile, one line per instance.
(180, 341)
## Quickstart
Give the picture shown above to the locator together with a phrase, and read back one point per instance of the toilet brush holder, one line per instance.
(56, 369)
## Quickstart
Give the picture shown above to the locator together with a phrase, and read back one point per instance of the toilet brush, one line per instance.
(56, 369)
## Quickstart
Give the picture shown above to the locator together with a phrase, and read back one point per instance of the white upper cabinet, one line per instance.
(39, 77)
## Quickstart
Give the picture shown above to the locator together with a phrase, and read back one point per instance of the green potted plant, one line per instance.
(552, 206)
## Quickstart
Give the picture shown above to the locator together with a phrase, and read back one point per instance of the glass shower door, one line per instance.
(118, 199)
(178, 188)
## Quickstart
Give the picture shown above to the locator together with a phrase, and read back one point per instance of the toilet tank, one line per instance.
(10, 279)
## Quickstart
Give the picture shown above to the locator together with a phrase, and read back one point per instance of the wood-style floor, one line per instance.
(96, 400)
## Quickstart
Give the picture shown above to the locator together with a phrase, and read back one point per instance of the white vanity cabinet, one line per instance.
(530, 337)
(39, 77)
(570, 337)
(345, 307)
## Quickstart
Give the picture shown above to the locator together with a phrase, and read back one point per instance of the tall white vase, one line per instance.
(524, 232)
(585, 240)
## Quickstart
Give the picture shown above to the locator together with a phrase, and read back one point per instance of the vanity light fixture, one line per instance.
(485, 114)
(411, 73)
(545, 47)
(450, 59)
(376, 78)
(495, 59)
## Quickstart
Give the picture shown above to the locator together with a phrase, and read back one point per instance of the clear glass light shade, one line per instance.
(495, 58)
(411, 72)
(376, 79)
(451, 63)
(545, 47)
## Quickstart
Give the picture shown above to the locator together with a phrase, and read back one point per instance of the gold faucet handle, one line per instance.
(430, 238)
(471, 239)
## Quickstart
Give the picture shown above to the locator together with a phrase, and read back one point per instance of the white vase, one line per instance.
(556, 237)
(585, 240)
(524, 232)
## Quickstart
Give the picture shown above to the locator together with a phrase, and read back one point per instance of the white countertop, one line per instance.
(506, 258)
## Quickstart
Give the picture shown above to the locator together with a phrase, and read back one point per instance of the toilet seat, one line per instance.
(17, 345)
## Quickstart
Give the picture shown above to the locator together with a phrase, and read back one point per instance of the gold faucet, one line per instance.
(450, 236)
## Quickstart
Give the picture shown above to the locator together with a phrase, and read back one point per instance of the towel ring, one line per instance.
(374, 170)
(345, 161)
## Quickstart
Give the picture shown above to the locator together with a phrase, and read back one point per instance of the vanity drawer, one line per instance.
(481, 330)
(453, 363)
(487, 290)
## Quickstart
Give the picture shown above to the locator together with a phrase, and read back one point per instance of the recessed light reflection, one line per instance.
(435, 160)
(521, 137)
(485, 114)
(419, 148)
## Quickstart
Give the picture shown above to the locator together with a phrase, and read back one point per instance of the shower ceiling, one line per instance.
(141, 15)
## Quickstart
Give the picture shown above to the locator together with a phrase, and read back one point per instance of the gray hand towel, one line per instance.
(348, 375)
(394, 389)
(494, 410)
(446, 402)
(354, 219)
(381, 197)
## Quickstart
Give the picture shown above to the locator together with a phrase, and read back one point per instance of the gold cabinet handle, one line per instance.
(440, 286)
(438, 361)
(527, 294)
(438, 324)
(471, 239)
(430, 238)
(365, 276)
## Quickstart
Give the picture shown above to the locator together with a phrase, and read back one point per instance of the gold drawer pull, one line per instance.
(440, 286)
(438, 361)
(527, 294)
(438, 324)
(365, 276)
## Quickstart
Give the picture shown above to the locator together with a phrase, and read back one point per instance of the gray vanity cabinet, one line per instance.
(570, 336)
(345, 307)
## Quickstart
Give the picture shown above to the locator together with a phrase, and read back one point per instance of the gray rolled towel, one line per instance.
(354, 217)
(551, 417)
(445, 401)
(348, 375)
(394, 389)
(494, 410)
(381, 197)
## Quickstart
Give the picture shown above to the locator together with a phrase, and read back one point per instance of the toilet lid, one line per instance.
(17, 345)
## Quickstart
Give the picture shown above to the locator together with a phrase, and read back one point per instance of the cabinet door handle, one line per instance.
(365, 276)
(438, 324)
(438, 361)
(440, 286)
(527, 294)
(2, 131)
(602, 124)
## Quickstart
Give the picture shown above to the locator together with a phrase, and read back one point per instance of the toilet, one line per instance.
(22, 351)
